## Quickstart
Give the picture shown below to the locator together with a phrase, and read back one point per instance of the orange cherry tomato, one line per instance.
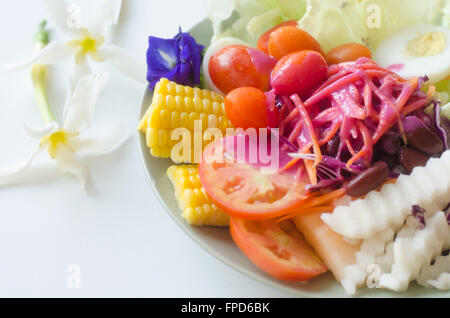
(263, 42)
(299, 73)
(244, 189)
(240, 66)
(289, 39)
(278, 249)
(247, 107)
(348, 53)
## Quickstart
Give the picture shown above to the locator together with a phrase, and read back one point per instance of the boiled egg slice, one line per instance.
(418, 50)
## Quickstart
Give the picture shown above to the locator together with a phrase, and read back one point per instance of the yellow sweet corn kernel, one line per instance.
(177, 106)
(195, 204)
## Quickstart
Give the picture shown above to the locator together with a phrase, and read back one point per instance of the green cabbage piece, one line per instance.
(249, 19)
(331, 22)
(368, 21)
(445, 111)
(446, 14)
(443, 91)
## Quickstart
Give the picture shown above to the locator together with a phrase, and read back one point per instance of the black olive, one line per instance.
(411, 158)
(424, 140)
(368, 180)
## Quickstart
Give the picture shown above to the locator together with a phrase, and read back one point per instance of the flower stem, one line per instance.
(39, 76)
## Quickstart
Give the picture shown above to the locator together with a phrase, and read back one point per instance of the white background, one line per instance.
(122, 239)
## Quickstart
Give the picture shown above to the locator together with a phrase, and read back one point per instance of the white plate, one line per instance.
(218, 242)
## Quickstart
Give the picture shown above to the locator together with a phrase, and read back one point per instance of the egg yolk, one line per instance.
(429, 44)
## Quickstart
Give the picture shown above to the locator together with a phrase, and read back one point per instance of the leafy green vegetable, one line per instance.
(331, 22)
(249, 19)
(445, 111)
(335, 22)
(443, 91)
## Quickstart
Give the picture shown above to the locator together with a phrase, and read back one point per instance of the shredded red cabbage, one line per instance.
(419, 213)
(447, 213)
(355, 118)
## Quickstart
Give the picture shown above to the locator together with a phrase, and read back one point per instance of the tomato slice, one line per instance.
(278, 249)
(242, 188)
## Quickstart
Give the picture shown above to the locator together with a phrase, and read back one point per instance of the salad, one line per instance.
(318, 131)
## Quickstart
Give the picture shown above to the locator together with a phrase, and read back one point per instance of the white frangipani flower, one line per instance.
(84, 43)
(65, 142)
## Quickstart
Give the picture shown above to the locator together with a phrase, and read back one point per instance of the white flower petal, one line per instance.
(81, 105)
(53, 53)
(80, 70)
(123, 62)
(39, 132)
(66, 16)
(68, 163)
(100, 146)
(8, 173)
(107, 14)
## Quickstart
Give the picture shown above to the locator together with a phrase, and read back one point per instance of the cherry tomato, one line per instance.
(263, 42)
(299, 73)
(347, 53)
(238, 184)
(289, 39)
(240, 66)
(278, 249)
(248, 107)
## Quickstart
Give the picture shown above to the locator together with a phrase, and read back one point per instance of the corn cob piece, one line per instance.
(196, 206)
(176, 106)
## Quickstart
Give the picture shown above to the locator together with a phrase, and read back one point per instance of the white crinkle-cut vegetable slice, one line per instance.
(372, 251)
(442, 282)
(436, 275)
(412, 253)
(376, 256)
(427, 186)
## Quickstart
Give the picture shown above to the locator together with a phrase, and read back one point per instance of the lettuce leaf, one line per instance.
(445, 111)
(367, 21)
(331, 22)
(446, 14)
(335, 22)
(443, 91)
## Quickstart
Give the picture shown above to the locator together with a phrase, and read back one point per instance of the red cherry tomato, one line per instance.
(289, 39)
(263, 42)
(247, 107)
(348, 53)
(299, 73)
(278, 249)
(240, 66)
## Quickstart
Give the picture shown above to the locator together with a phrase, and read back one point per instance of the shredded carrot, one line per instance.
(316, 203)
(325, 208)
(289, 165)
(420, 103)
(331, 134)
(308, 124)
(310, 169)
(325, 198)
(366, 149)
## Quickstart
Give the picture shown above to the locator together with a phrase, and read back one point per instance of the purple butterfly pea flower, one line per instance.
(178, 59)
